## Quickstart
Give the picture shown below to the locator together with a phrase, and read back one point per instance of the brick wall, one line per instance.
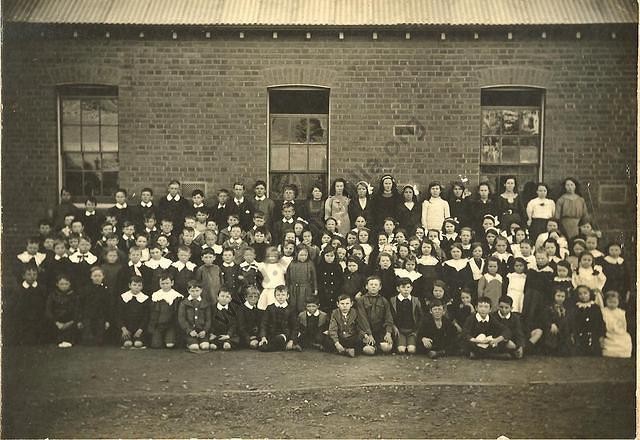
(195, 108)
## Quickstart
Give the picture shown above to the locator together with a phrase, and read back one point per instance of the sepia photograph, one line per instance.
(319, 218)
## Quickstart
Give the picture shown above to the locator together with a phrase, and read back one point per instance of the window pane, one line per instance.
(91, 162)
(71, 111)
(71, 138)
(298, 155)
(92, 184)
(90, 112)
(491, 121)
(303, 182)
(109, 111)
(280, 130)
(90, 138)
(72, 161)
(109, 183)
(508, 141)
(109, 138)
(318, 130)
(511, 98)
(73, 182)
(317, 157)
(510, 154)
(529, 155)
(529, 122)
(279, 157)
(110, 162)
(300, 130)
(510, 123)
(490, 149)
(298, 101)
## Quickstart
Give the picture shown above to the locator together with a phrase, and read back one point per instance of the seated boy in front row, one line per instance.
(407, 314)
(164, 312)
(482, 334)
(224, 325)
(347, 328)
(133, 314)
(278, 323)
(249, 318)
(194, 318)
(515, 342)
(313, 327)
(437, 334)
(377, 312)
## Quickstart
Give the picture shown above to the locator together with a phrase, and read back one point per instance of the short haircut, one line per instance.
(493, 260)
(188, 229)
(96, 269)
(223, 191)
(523, 261)
(165, 275)
(197, 192)
(207, 251)
(261, 230)
(44, 221)
(611, 294)
(91, 199)
(484, 300)
(435, 303)
(506, 299)
(236, 216)
(127, 223)
(280, 288)
(287, 205)
(33, 240)
(228, 249)
(260, 183)
(194, 283)
(174, 181)
(84, 238)
(311, 299)
(258, 214)
(440, 283)
(403, 281)
(147, 189)
(344, 296)
(235, 227)
(373, 277)
(251, 290)
(184, 248)
(135, 279)
(526, 241)
(121, 190)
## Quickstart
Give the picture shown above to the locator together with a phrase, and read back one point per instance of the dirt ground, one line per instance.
(108, 392)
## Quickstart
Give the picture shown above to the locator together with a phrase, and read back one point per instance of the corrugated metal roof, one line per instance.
(322, 12)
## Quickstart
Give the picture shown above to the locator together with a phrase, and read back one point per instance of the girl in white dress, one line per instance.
(617, 341)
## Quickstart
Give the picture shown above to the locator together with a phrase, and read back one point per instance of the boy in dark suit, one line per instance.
(249, 319)
(133, 314)
(28, 314)
(97, 309)
(91, 219)
(347, 327)
(224, 323)
(223, 209)
(515, 344)
(194, 318)
(313, 327)
(278, 324)
(377, 311)
(284, 224)
(173, 207)
(407, 314)
(243, 207)
(482, 334)
(262, 203)
(145, 208)
(121, 210)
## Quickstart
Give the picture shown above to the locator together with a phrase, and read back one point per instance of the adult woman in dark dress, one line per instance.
(385, 201)
(510, 207)
(459, 204)
(361, 205)
(409, 211)
(314, 212)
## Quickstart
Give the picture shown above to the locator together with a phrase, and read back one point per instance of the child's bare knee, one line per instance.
(401, 348)
(411, 349)
(385, 347)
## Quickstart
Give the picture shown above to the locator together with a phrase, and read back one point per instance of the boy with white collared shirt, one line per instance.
(262, 203)
(407, 314)
(145, 208)
(249, 318)
(194, 318)
(482, 334)
(242, 206)
(173, 206)
(278, 323)
(163, 318)
(156, 265)
(183, 270)
(133, 314)
(31, 255)
(224, 324)
(121, 210)
(81, 262)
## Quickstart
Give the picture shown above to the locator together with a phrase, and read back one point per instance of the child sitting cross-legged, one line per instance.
(313, 327)
(249, 317)
(437, 334)
(482, 334)
(515, 343)
(194, 318)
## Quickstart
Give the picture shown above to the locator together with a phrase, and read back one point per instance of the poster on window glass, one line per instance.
(490, 149)
(529, 122)
(491, 122)
(510, 122)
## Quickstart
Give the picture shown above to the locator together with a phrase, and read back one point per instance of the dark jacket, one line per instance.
(162, 313)
(377, 312)
(248, 322)
(323, 324)
(97, 304)
(277, 321)
(416, 310)
(472, 328)
(194, 315)
(225, 322)
(133, 315)
(354, 324)
(444, 338)
(514, 325)
(63, 306)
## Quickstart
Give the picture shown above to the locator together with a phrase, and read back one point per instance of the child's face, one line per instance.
(433, 236)
(483, 192)
(465, 298)
(410, 265)
(235, 233)
(520, 235)
(272, 257)
(414, 245)
(30, 276)
(163, 242)
(352, 266)
(44, 229)
(201, 217)
(281, 296)
(232, 221)
(212, 225)
(483, 309)
(288, 249)
(420, 233)
(492, 267)
(344, 305)
(183, 256)
(389, 227)
(287, 212)
(363, 236)
(562, 272)
(373, 287)
(223, 197)
(303, 255)
(288, 194)
(382, 240)
(518, 267)
(559, 297)
(584, 295)
(166, 284)
(426, 249)
(456, 253)
(550, 248)
(189, 222)
(615, 251)
(145, 196)
(487, 223)
(112, 257)
(155, 254)
(135, 287)
(111, 219)
(135, 255)
(258, 221)
(542, 259)
(578, 249)
(311, 308)
(63, 285)
(612, 302)
(525, 249)
(65, 196)
(403, 251)
(197, 199)
(260, 190)
(59, 249)
(457, 191)
(437, 312)
(552, 226)
(360, 222)
(449, 228)
(491, 238)
(258, 237)
(298, 228)
(586, 261)
(48, 243)
(210, 239)
(385, 262)
(465, 237)
(84, 246)
(68, 219)
(150, 223)
(400, 237)
(586, 228)
(358, 253)
(112, 242)
(108, 229)
(97, 277)
(173, 189)
(252, 297)
(166, 227)
(120, 197)
(504, 308)
(329, 257)
(207, 259)
(501, 246)
(405, 290)
(76, 227)
(477, 252)
(187, 237)
(73, 243)
(438, 292)
(128, 230)
(289, 236)
(351, 239)
(224, 298)
(331, 225)
(592, 243)
(249, 256)
(227, 256)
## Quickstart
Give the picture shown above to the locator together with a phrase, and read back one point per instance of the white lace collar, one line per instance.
(457, 264)
(489, 277)
(609, 259)
(163, 263)
(88, 257)
(128, 296)
(180, 265)
(25, 257)
(169, 297)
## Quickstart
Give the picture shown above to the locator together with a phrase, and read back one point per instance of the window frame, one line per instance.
(68, 91)
(516, 88)
(298, 87)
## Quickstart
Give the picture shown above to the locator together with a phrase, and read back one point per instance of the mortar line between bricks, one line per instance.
(149, 394)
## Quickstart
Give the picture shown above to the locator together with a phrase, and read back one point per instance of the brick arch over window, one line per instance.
(85, 74)
(515, 75)
(303, 75)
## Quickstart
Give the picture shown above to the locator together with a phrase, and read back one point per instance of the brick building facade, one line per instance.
(193, 103)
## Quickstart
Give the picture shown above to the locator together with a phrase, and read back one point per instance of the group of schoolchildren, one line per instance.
(371, 272)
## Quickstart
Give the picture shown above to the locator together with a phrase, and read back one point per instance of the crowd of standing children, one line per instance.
(364, 272)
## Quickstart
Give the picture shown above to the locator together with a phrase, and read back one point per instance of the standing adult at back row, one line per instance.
(570, 207)
(385, 201)
(337, 206)
(434, 208)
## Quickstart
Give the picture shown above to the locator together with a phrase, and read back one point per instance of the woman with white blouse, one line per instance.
(539, 210)
(434, 208)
